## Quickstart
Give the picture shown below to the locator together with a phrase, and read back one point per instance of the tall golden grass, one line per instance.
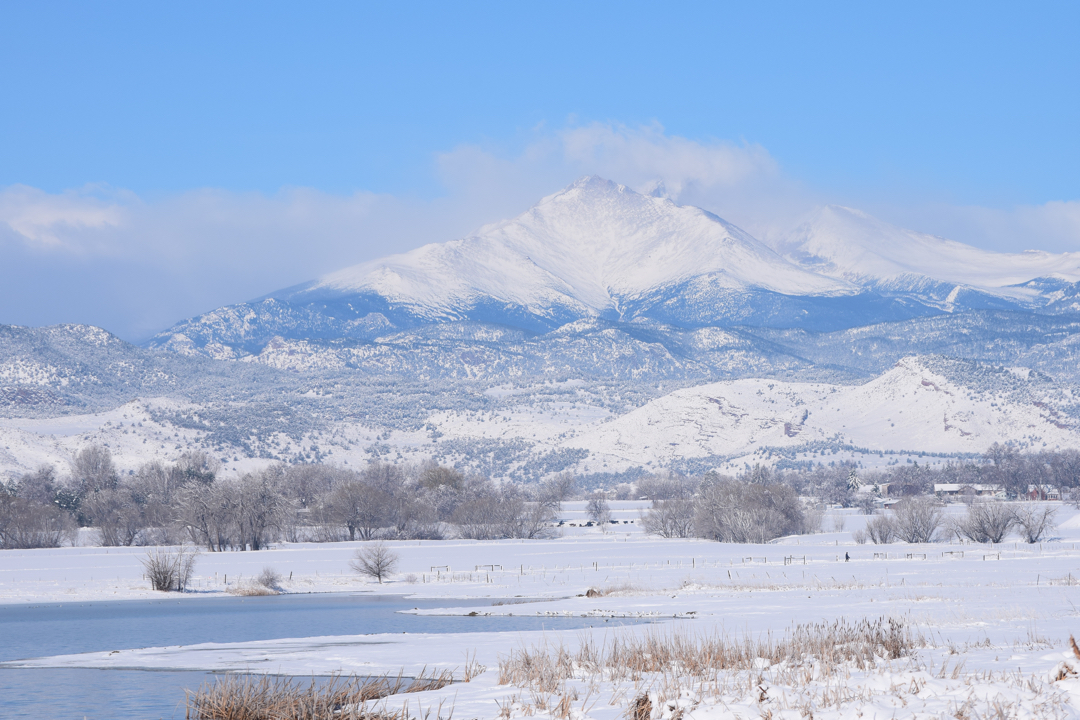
(629, 657)
(248, 697)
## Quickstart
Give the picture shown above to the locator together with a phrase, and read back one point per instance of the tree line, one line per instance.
(188, 501)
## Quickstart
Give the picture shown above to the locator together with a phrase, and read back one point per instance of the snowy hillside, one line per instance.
(918, 406)
(525, 427)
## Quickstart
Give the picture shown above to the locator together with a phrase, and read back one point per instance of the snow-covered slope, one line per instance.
(920, 405)
(586, 248)
(852, 246)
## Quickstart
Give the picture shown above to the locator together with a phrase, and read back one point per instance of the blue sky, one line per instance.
(206, 153)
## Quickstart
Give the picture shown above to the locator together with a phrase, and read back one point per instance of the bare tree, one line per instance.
(375, 560)
(361, 507)
(435, 476)
(490, 512)
(197, 466)
(918, 519)
(116, 515)
(987, 521)
(671, 518)
(207, 513)
(1006, 469)
(261, 508)
(881, 529)
(93, 470)
(735, 511)
(309, 483)
(39, 486)
(598, 509)
(666, 486)
(522, 518)
(555, 489)
(26, 524)
(1036, 522)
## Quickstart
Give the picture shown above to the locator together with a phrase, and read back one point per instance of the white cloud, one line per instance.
(637, 156)
(1053, 226)
(738, 180)
(48, 220)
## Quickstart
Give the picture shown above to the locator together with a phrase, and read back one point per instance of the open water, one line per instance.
(30, 631)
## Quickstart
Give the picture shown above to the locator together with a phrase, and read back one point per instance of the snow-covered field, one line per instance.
(990, 624)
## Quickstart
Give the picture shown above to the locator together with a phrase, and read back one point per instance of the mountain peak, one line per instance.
(586, 248)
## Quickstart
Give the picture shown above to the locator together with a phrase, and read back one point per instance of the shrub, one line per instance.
(170, 570)
(269, 578)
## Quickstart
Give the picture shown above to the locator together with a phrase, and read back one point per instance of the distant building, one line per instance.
(959, 489)
(1043, 492)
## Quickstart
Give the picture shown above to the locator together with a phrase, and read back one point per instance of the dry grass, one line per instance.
(251, 589)
(827, 646)
(250, 697)
(841, 666)
(617, 590)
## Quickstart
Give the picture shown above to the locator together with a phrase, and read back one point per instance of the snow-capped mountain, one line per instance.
(854, 247)
(588, 249)
(593, 250)
(598, 250)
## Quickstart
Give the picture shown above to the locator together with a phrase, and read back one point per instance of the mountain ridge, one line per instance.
(597, 249)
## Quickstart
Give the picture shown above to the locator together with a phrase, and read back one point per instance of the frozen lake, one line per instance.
(40, 630)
